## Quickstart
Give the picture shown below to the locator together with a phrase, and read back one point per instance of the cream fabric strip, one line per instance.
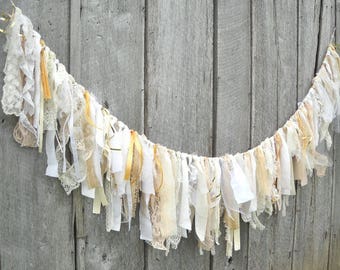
(184, 216)
(239, 183)
(147, 189)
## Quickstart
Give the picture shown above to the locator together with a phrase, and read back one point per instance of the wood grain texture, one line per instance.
(233, 101)
(179, 109)
(264, 111)
(75, 70)
(281, 230)
(274, 100)
(264, 58)
(313, 202)
(309, 20)
(112, 67)
(334, 258)
(36, 226)
(233, 76)
(334, 248)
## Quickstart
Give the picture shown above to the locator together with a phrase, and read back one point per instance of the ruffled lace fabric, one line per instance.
(23, 54)
(12, 97)
(87, 147)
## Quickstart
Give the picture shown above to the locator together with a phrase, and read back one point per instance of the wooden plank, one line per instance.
(307, 48)
(264, 111)
(75, 39)
(179, 96)
(334, 258)
(233, 77)
(75, 70)
(36, 214)
(282, 228)
(313, 203)
(233, 101)
(309, 14)
(274, 101)
(112, 67)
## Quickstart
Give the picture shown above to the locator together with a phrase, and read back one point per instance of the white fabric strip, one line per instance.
(239, 183)
(201, 201)
(184, 216)
(52, 163)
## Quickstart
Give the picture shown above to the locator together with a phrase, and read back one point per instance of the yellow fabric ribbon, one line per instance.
(158, 177)
(134, 161)
(88, 109)
(44, 73)
(133, 168)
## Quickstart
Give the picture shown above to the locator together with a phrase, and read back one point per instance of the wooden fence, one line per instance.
(200, 76)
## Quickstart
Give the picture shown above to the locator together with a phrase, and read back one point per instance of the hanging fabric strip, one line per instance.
(44, 75)
(147, 188)
(52, 163)
(134, 167)
(184, 216)
(201, 201)
(99, 199)
(239, 183)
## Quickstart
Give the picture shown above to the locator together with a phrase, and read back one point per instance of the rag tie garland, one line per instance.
(119, 168)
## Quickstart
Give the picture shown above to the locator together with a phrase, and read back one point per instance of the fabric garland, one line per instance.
(119, 168)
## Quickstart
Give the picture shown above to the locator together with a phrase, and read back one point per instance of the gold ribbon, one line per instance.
(134, 161)
(133, 168)
(88, 108)
(158, 169)
(44, 73)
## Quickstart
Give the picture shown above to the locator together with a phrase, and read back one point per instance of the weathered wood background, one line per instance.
(199, 76)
